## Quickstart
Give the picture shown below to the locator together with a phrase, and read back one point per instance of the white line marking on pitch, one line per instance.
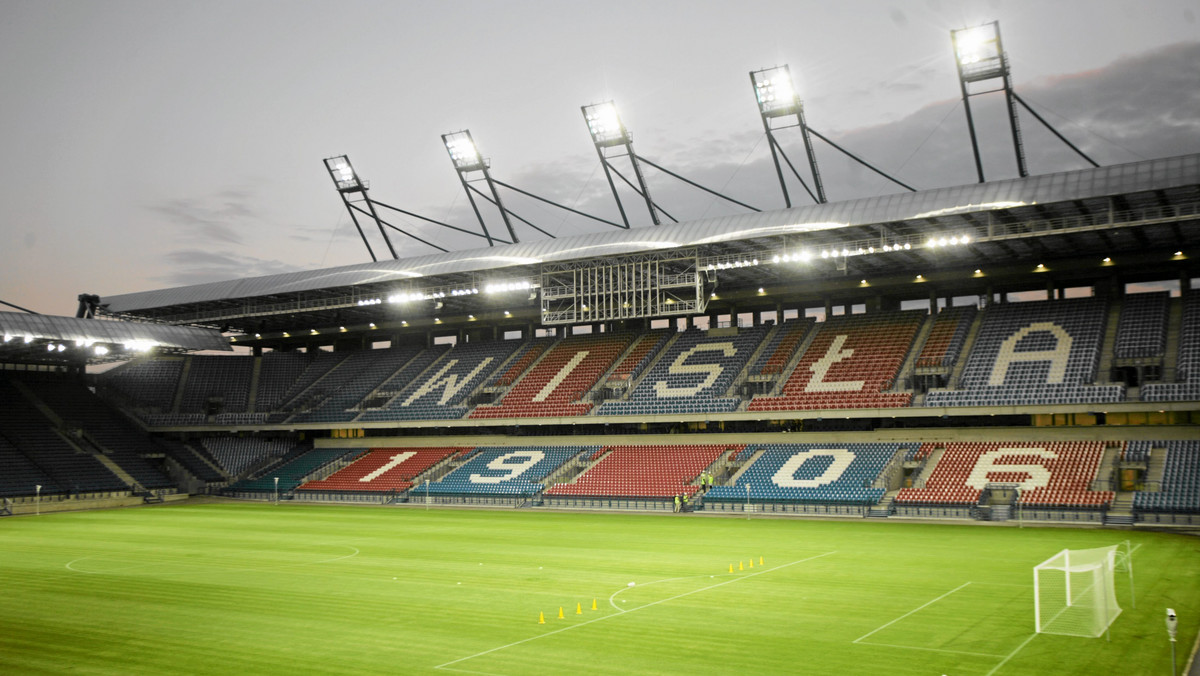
(877, 629)
(1010, 655)
(607, 617)
(934, 650)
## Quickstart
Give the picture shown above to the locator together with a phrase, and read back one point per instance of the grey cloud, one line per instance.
(198, 266)
(213, 218)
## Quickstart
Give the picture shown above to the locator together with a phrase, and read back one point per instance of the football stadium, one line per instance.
(943, 431)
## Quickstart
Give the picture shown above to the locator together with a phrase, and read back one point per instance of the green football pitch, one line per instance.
(224, 588)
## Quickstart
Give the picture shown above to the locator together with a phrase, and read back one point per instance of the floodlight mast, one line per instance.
(609, 134)
(777, 99)
(464, 154)
(347, 182)
(979, 55)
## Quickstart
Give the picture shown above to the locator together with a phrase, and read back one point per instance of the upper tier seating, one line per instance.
(382, 469)
(279, 371)
(693, 376)
(217, 376)
(1180, 491)
(505, 471)
(529, 353)
(947, 336)
(782, 346)
(640, 355)
(1142, 327)
(149, 384)
(643, 471)
(554, 386)
(1034, 353)
(825, 473)
(439, 392)
(360, 373)
(1187, 387)
(1053, 474)
(850, 363)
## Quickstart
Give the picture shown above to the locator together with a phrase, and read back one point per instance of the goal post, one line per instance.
(1074, 593)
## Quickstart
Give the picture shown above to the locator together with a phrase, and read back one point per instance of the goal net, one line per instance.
(1074, 593)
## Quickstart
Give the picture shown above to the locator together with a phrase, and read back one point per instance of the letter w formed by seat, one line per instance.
(451, 385)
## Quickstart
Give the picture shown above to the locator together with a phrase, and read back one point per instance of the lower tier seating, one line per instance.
(1180, 489)
(822, 473)
(643, 471)
(1054, 474)
(382, 469)
(507, 470)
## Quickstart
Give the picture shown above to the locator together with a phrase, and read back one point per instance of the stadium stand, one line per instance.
(147, 383)
(382, 469)
(1180, 489)
(851, 363)
(292, 470)
(1054, 474)
(642, 471)
(640, 355)
(555, 385)
(513, 471)
(693, 376)
(238, 454)
(333, 398)
(35, 437)
(781, 346)
(216, 378)
(821, 473)
(1043, 352)
(1142, 327)
(1187, 380)
(946, 337)
(440, 391)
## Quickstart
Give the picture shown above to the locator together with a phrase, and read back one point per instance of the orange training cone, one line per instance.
(578, 608)
(560, 613)
(593, 604)
(541, 618)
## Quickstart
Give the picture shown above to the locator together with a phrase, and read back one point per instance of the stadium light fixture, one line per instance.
(604, 124)
(463, 151)
(977, 50)
(612, 139)
(348, 182)
(774, 91)
(776, 96)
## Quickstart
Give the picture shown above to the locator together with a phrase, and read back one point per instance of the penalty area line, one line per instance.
(447, 665)
(878, 629)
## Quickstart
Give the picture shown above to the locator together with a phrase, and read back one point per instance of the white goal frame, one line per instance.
(1062, 606)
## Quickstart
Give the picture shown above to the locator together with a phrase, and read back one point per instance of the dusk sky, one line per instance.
(164, 143)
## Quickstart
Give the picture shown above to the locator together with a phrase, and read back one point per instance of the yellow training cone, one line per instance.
(760, 561)
(560, 613)
(593, 604)
(541, 618)
(751, 563)
(740, 566)
(731, 567)
(578, 608)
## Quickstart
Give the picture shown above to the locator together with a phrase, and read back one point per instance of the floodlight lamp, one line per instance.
(100, 350)
(343, 174)
(775, 92)
(604, 124)
(977, 51)
(463, 151)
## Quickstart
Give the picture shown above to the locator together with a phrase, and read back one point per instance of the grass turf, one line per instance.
(255, 588)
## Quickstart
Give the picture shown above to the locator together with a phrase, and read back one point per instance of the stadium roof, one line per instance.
(46, 338)
(998, 213)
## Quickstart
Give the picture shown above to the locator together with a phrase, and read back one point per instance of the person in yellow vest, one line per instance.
(676, 502)
(685, 502)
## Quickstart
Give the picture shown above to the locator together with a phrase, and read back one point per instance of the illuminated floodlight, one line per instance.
(774, 91)
(504, 286)
(343, 174)
(604, 124)
(976, 45)
(463, 151)
(100, 350)
(139, 345)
